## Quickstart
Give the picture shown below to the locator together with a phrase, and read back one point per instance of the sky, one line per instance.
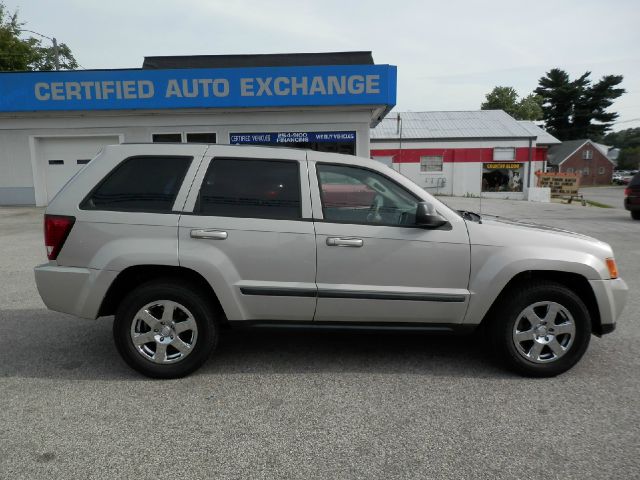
(449, 54)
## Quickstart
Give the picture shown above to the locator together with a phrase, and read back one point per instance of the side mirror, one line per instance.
(427, 217)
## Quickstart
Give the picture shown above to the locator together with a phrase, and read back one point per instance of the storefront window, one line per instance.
(502, 177)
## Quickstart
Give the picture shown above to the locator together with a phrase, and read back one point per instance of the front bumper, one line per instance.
(72, 290)
(611, 296)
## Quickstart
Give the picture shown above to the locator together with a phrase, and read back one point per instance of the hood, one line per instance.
(503, 232)
(535, 226)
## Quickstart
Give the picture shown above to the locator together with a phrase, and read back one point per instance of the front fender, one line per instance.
(493, 267)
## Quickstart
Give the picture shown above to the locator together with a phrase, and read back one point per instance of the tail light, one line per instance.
(56, 231)
(627, 191)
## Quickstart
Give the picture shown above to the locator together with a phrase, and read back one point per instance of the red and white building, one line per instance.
(484, 152)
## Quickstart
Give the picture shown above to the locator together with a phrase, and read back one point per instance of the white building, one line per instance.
(52, 123)
(463, 153)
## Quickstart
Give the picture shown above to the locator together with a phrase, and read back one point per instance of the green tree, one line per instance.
(18, 53)
(629, 137)
(628, 141)
(575, 109)
(629, 158)
(506, 98)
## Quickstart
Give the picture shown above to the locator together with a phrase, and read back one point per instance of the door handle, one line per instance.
(344, 242)
(209, 234)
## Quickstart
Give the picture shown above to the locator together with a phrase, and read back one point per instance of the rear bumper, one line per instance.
(611, 296)
(72, 290)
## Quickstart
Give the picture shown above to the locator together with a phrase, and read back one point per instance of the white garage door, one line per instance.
(62, 157)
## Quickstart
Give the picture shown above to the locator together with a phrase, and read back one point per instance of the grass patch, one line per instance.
(593, 203)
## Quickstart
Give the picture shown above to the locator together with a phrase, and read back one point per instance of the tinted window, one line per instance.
(201, 138)
(167, 137)
(251, 189)
(140, 184)
(357, 195)
(635, 181)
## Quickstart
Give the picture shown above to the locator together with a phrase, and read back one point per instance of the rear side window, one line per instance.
(251, 189)
(140, 184)
(635, 181)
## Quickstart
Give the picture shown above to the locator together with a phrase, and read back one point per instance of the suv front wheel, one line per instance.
(165, 330)
(541, 330)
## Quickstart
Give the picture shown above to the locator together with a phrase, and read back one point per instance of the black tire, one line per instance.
(513, 353)
(189, 299)
(635, 214)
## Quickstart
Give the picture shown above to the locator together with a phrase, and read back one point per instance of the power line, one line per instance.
(627, 121)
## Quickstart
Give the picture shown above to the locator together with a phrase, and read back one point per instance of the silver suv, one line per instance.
(178, 241)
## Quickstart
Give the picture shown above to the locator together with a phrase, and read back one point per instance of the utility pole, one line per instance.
(56, 50)
(56, 53)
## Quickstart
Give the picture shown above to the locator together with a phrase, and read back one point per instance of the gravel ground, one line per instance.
(301, 405)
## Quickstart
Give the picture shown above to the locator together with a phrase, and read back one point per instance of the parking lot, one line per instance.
(321, 405)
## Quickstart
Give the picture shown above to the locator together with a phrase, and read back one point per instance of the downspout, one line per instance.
(530, 159)
(399, 129)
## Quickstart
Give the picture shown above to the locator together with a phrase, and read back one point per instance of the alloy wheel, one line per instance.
(544, 332)
(164, 332)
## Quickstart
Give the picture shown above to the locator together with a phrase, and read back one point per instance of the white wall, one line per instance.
(19, 132)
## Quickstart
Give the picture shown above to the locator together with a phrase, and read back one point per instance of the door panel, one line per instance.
(388, 273)
(260, 268)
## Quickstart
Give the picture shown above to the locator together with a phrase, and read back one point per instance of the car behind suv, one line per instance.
(632, 197)
(178, 241)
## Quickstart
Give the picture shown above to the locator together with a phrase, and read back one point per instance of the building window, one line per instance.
(166, 138)
(431, 163)
(251, 189)
(587, 154)
(130, 187)
(201, 137)
(601, 170)
(570, 170)
(190, 137)
(585, 171)
(504, 154)
(502, 177)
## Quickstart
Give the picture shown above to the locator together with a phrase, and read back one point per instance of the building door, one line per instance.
(63, 157)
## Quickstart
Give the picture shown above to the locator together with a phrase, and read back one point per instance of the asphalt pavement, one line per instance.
(612, 196)
(301, 405)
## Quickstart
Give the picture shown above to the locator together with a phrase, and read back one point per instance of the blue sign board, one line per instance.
(283, 138)
(199, 88)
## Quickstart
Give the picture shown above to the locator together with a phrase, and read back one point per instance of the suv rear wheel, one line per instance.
(165, 330)
(635, 214)
(541, 330)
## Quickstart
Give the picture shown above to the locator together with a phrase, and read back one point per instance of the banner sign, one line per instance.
(198, 88)
(276, 138)
(508, 166)
(559, 183)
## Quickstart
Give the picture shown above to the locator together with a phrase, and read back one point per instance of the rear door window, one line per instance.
(140, 184)
(250, 188)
